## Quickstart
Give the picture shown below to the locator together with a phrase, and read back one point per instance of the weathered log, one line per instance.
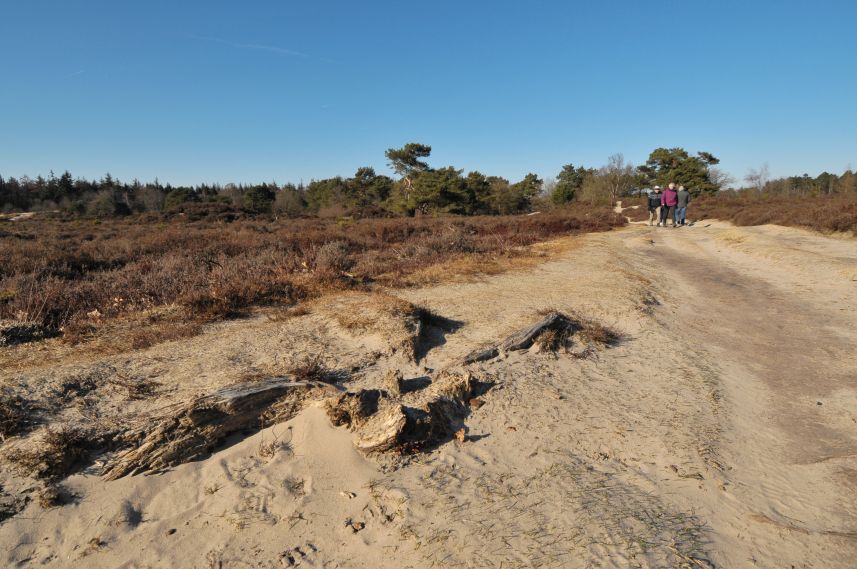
(481, 355)
(394, 382)
(452, 385)
(383, 431)
(411, 428)
(523, 339)
(351, 409)
(185, 432)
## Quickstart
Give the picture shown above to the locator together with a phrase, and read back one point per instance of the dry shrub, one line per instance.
(284, 314)
(56, 453)
(333, 257)
(554, 339)
(597, 333)
(312, 368)
(53, 495)
(14, 333)
(590, 334)
(78, 331)
(14, 415)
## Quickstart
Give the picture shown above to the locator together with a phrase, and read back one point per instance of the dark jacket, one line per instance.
(683, 198)
(654, 200)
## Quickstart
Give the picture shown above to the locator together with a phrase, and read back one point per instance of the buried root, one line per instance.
(383, 422)
(575, 335)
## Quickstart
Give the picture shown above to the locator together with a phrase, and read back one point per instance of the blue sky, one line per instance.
(210, 91)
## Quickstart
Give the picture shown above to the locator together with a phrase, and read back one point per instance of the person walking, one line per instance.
(654, 203)
(669, 199)
(682, 199)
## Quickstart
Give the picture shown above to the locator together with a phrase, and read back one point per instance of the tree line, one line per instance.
(416, 188)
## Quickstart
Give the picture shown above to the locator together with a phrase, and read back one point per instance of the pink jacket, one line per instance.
(669, 197)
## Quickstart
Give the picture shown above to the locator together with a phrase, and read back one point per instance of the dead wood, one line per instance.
(382, 432)
(523, 339)
(394, 382)
(552, 333)
(392, 426)
(353, 408)
(481, 355)
(187, 432)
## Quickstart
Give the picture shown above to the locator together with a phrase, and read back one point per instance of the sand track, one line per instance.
(721, 431)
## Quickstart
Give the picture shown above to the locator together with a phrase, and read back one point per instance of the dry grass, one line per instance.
(269, 449)
(294, 486)
(134, 388)
(575, 334)
(56, 453)
(53, 495)
(396, 321)
(14, 415)
(312, 368)
(597, 333)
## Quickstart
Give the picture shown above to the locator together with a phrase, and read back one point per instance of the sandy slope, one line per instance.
(722, 431)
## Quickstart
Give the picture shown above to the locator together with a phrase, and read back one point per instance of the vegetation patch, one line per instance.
(56, 453)
(15, 415)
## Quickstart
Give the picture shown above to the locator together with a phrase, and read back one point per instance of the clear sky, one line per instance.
(213, 91)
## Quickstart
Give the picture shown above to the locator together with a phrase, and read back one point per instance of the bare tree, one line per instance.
(758, 179)
(618, 176)
(720, 178)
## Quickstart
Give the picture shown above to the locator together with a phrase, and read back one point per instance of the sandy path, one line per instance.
(722, 430)
(749, 361)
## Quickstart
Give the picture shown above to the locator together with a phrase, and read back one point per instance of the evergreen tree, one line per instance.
(568, 183)
(675, 165)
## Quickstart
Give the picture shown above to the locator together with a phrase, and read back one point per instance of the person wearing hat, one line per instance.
(654, 203)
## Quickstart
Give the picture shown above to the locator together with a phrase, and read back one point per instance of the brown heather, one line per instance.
(78, 274)
(824, 213)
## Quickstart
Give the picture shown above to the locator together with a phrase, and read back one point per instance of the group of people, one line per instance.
(671, 203)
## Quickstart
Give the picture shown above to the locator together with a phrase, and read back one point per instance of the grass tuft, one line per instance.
(56, 454)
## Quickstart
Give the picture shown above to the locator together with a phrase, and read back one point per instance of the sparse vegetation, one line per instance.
(134, 388)
(56, 453)
(312, 368)
(53, 495)
(14, 415)
(294, 486)
(561, 331)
